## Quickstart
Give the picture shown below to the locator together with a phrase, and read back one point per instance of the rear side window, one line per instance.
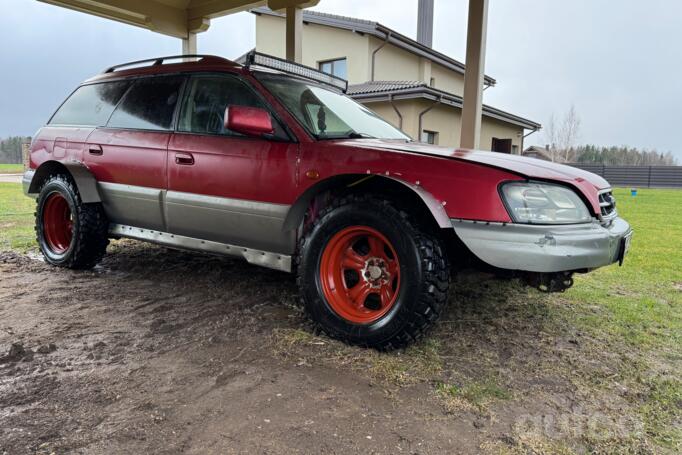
(148, 105)
(90, 105)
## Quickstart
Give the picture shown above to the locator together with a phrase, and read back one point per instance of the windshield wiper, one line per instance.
(348, 135)
(356, 135)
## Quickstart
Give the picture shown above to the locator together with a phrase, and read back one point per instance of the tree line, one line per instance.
(10, 150)
(622, 156)
(562, 134)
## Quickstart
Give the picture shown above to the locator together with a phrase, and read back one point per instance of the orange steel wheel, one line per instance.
(360, 274)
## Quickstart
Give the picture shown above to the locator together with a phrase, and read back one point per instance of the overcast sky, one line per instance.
(618, 62)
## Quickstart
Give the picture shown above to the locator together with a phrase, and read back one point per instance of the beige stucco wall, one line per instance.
(394, 64)
(446, 121)
(491, 128)
(447, 80)
(320, 43)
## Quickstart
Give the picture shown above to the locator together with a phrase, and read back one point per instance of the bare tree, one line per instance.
(569, 132)
(562, 136)
(551, 136)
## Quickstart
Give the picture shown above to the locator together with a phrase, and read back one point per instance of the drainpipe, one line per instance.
(523, 139)
(374, 52)
(424, 112)
(532, 132)
(395, 108)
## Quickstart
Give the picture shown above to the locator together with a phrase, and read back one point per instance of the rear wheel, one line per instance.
(70, 234)
(369, 276)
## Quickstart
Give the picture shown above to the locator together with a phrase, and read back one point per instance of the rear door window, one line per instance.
(149, 104)
(90, 105)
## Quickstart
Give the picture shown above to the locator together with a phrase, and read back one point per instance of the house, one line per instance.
(407, 82)
(541, 153)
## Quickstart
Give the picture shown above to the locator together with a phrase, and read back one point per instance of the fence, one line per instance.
(637, 176)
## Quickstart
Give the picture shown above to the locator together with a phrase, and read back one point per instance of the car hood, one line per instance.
(531, 168)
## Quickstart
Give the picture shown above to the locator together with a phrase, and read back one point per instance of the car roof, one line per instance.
(162, 65)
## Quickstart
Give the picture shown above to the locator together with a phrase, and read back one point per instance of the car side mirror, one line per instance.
(250, 121)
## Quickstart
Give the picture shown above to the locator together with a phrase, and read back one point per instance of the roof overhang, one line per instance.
(448, 99)
(176, 18)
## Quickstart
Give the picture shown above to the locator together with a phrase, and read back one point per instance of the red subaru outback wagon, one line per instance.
(270, 161)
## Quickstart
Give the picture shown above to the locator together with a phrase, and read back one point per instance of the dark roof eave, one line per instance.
(445, 98)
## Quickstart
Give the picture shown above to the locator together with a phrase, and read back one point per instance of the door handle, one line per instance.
(95, 150)
(184, 159)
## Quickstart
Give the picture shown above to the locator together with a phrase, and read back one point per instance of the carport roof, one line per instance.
(379, 31)
(400, 90)
(176, 18)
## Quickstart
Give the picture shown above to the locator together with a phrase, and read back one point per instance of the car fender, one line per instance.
(297, 211)
(84, 179)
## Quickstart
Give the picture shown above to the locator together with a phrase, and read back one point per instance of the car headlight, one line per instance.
(544, 203)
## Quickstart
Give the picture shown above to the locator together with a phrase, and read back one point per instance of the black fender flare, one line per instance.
(297, 211)
(84, 179)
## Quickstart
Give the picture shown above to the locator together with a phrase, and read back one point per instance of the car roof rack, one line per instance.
(257, 59)
(160, 61)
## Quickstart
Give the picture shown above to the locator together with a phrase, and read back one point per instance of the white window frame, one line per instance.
(425, 137)
(333, 62)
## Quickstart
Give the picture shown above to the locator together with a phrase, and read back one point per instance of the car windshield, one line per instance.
(327, 114)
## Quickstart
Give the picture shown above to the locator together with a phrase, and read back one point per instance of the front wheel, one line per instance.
(369, 276)
(70, 233)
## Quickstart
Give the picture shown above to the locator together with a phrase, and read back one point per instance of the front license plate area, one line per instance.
(624, 247)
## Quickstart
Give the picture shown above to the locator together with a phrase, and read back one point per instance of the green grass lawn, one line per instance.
(637, 310)
(11, 168)
(16, 218)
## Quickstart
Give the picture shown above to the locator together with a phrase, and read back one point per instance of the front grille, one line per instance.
(608, 205)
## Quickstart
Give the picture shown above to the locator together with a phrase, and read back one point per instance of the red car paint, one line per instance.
(464, 182)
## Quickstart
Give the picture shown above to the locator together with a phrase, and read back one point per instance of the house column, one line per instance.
(472, 109)
(189, 44)
(294, 34)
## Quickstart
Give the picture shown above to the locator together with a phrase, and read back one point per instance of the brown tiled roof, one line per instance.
(397, 90)
(382, 86)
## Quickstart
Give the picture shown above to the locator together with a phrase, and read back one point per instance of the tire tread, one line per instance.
(92, 241)
(435, 265)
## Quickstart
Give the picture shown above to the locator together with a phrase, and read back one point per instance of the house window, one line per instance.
(338, 67)
(430, 137)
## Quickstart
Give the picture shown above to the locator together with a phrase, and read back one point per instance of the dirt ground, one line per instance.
(160, 351)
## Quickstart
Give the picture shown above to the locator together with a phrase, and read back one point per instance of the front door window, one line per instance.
(204, 109)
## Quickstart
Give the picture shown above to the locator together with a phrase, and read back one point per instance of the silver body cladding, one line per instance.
(255, 231)
(231, 227)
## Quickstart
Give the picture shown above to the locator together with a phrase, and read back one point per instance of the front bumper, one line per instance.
(545, 249)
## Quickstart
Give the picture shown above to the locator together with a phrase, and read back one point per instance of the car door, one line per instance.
(224, 186)
(128, 155)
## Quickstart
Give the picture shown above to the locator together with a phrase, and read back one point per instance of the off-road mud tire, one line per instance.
(90, 226)
(424, 268)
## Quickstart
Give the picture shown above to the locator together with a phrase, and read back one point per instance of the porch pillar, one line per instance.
(472, 109)
(189, 44)
(294, 34)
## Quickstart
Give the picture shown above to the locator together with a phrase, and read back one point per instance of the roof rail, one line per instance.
(258, 59)
(160, 61)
